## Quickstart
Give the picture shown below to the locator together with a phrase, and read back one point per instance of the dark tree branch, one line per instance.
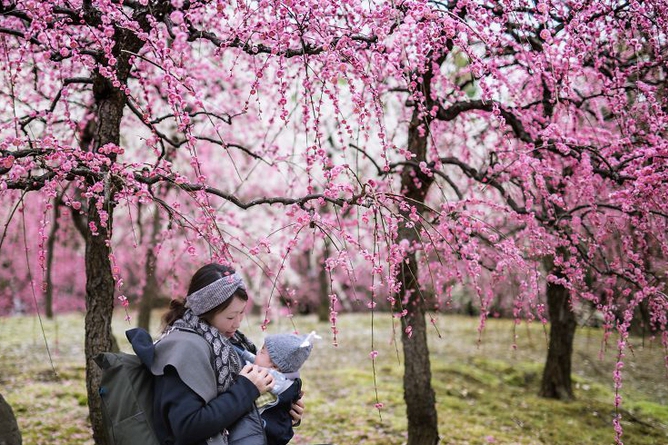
(453, 111)
(14, 32)
(161, 135)
(69, 81)
(227, 118)
(379, 170)
(228, 145)
(430, 167)
(301, 201)
(487, 180)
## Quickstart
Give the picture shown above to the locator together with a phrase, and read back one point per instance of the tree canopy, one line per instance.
(412, 147)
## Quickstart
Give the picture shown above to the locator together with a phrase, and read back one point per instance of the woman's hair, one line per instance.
(206, 275)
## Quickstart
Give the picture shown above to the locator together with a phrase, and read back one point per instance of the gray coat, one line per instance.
(187, 408)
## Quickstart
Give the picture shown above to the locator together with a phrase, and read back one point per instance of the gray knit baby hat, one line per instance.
(288, 351)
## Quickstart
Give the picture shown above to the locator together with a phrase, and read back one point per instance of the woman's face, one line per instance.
(228, 320)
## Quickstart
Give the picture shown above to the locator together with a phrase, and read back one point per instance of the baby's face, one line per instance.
(262, 358)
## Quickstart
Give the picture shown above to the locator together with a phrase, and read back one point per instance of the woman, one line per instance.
(203, 395)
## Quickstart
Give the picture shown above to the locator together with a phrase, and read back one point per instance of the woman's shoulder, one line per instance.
(190, 354)
(180, 343)
(182, 338)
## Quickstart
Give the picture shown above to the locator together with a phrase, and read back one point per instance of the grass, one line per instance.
(485, 390)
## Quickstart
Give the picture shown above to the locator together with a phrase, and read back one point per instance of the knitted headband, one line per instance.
(214, 294)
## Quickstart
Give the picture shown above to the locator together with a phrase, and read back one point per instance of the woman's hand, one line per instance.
(260, 377)
(297, 411)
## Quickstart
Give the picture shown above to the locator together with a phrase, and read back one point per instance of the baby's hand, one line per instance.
(260, 377)
(297, 410)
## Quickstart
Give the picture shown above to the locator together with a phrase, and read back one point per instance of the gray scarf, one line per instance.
(226, 361)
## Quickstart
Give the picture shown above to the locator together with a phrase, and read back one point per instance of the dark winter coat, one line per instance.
(278, 422)
(189, 413)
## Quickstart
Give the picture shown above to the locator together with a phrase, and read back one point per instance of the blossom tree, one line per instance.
(471, 142)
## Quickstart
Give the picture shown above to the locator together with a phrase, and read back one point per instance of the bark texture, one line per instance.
(109, 106)
(556, 383)
(418, 391)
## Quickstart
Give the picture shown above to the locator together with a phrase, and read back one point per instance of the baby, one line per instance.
(283, 355)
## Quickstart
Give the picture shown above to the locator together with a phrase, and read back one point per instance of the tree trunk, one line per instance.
(9, 428)
(556, 382)
(151, 285)
(50, 246)
(324, 284)
(418, 392)
(100, 284)
(109, 105)
(150, 291)
(99, 311)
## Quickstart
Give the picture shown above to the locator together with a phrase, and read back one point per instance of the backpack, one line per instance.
(126, 391)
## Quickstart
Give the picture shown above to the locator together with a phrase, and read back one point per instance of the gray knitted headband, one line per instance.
(214, 294)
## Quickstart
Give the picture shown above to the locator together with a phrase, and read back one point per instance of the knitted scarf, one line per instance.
(226, 361)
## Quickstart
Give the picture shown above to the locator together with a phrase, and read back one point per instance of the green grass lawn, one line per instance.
(485, 387)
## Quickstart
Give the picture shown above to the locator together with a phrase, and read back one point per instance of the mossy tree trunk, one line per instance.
(557, 383)
(99, 310)
(105, 127)
(418, 392)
